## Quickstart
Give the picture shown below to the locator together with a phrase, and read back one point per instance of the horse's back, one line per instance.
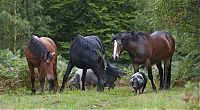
(96, 42)
(33, 52)
(50, 40)
(162, 44)
(83, 49)
(84, 46)
(165, 36)
(49, 44)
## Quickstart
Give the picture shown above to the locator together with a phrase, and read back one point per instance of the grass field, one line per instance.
(119, 98)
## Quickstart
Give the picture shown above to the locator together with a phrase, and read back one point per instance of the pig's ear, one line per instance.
(140, 80)
(130, 81)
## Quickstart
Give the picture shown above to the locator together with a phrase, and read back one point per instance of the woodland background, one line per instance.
(62, 20)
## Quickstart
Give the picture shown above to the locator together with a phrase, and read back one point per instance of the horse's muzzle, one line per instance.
(115, 57)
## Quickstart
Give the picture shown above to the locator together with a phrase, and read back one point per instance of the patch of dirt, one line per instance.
(121, 83)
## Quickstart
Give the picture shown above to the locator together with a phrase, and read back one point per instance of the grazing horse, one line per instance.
(87, 53)
(148, 50)
(42, 53)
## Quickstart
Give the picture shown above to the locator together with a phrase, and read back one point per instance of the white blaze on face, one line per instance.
(115, 49)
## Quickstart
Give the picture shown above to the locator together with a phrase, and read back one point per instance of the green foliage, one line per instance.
(63, 20)
(12, 66)
(13, 69)
(19, 19)
(9, 21)
(61, 67)
(87, 17)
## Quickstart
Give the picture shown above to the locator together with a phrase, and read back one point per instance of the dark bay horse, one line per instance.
(148, 50)
(42, 54)
(87, 53)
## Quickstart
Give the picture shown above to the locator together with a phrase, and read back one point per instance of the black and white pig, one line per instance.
(138, 81)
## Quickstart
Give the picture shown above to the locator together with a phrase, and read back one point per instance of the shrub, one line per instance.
(13, 69)
(186, 68)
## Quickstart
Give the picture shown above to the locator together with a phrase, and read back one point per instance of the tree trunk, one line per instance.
(14, 26)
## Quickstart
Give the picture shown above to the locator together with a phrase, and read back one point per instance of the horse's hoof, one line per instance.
(100, 90)
(155, 91)
(161, 88)
(165, 88)
(61, 89)
(154, 88)
(33, 92)
(55, 91)
(41, 93)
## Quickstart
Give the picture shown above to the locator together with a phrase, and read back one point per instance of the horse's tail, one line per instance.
(171, 41)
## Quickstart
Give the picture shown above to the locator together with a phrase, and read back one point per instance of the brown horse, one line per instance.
(148, 50)
(42, 53)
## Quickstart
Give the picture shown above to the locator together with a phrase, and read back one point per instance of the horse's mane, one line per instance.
(91, 43)
(37, 48)
(130, 36)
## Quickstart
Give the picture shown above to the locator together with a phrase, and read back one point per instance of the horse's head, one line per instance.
(113, 73)
(101, 70)
(47, 67)
(117, 45)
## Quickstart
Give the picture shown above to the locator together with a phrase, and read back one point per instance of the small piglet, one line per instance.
(138, 82)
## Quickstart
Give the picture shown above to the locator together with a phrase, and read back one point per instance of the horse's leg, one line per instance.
(159, 66)
(135, 67)
(151, 77)
(41, 80)
(169, 74)
(55, 75)
(167, 67)
(145, 83)
(135, 92)
(149, 68)
(83, 78)
(32, 75)
(140, 90)
(69, 68)
(100, 85)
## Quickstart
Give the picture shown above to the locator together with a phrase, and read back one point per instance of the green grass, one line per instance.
(119, 98)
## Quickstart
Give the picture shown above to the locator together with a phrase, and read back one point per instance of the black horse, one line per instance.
(112, 74)
(87, 53)
(148, 50)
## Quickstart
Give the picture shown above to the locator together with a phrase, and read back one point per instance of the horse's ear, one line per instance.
(100, 59)
(47, 57)
(122, 36)
(48, 53)
(112, 35)
(53, 53)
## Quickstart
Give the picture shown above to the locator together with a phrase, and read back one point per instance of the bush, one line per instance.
(61, 66)
(186, 68)
(13, 69)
